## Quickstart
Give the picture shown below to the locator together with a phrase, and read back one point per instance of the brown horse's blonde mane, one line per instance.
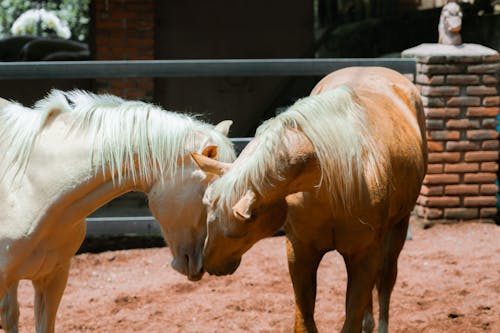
(337, 127)
(123, 133)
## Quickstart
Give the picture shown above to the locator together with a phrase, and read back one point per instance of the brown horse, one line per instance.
(344, 166)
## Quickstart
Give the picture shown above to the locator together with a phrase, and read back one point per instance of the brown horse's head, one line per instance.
(235, 223)
(232, 233)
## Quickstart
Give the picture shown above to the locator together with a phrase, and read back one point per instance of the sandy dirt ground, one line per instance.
(449, 281)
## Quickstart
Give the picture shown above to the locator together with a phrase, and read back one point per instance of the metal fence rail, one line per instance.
(192, 68)
(122, 226)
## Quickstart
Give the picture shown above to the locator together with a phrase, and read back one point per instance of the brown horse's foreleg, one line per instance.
(368, 322)
(48, 293)
(393, 244)
(9, 309)
(362, 269)
(303, 263)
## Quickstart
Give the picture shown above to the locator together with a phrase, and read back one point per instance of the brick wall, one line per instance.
(124, 30)
(461, 101)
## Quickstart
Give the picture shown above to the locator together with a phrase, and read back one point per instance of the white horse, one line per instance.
(73, 153)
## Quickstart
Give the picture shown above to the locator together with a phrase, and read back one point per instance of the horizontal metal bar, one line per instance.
(122, 226)
(125, 226)
(240, 143)
(192, 68)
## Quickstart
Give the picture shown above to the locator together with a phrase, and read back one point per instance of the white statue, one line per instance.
(450, 24)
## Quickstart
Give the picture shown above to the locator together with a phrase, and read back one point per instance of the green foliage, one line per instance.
(74, 12)
(9, 11)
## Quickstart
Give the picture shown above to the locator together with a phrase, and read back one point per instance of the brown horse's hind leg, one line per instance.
(393, 244)
(9, 309)
(303, 264)
(362, 269)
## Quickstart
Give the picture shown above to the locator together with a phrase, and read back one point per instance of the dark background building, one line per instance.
(223, 29)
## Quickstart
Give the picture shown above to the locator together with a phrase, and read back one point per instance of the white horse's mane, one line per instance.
(123, 133)
(336, 126)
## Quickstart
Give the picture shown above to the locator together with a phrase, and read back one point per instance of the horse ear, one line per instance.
(210, 152)
(242, 210)
(223, 127)
(209, 165)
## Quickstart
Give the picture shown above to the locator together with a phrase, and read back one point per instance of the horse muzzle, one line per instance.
(188, 266)
(226, 269)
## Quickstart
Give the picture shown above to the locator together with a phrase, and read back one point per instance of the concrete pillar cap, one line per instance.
(434, 49)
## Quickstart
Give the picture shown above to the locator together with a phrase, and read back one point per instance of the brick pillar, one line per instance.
(459, 88)
(124, 30)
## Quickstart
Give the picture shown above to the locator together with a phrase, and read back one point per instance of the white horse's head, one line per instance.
(177, 203)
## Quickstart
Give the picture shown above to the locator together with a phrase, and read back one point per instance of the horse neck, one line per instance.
(300, 170)
(65, 178)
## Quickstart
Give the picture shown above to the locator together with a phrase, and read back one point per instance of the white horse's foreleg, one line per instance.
(9, 309)
(48, 293)
(394, 242)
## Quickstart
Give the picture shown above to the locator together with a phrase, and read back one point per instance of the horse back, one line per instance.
(3, 102)
(395, 117)
(388, 98)
(378, 80)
